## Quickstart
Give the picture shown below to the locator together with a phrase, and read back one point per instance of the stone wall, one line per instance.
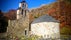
(18, 27)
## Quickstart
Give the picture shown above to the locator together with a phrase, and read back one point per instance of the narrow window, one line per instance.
(25, 32)
(29, 27)
(25, 12)
(22, 12)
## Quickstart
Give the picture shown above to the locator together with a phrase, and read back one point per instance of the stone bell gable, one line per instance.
(22, 10)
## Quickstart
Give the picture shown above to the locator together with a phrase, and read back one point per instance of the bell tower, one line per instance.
(22, 10)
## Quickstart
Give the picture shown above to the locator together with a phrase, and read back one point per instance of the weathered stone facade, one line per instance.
(18, 27)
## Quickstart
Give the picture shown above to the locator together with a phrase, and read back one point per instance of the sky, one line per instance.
(6, 5)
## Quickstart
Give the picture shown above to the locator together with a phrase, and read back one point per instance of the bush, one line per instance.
(66, 30)
(29, 38)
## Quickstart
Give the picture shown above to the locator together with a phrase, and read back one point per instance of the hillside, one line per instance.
(60, 12)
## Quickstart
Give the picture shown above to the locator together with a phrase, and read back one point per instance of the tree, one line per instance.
(3, 23)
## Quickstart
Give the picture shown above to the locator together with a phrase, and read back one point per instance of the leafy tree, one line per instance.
(3, 23)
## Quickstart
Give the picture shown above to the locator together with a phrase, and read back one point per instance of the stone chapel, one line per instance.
(45, 25)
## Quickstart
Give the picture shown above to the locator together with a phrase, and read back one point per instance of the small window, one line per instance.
(25, 12)
(25, 32)
(29, 27)
(22, 12)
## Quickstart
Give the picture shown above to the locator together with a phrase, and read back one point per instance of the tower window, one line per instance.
(25, 12)
(23, 5)
(29, 27)
(25, 32)
(22, 12)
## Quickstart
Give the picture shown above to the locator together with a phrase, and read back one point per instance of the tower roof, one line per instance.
(23, 1)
